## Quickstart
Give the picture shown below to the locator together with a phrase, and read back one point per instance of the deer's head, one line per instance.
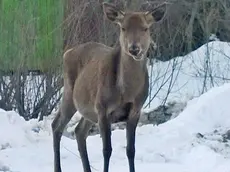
(134, 28)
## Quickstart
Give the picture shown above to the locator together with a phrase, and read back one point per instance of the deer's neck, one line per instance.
(130, 73)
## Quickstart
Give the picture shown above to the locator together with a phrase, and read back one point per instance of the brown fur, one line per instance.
(106, 85)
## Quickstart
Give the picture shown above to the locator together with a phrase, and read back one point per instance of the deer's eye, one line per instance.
(123, 29)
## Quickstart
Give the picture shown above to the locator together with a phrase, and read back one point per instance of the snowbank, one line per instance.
(187, 77)
(193, 141)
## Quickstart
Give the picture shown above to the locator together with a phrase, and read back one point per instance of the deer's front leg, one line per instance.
(105, 131)
(130, 135)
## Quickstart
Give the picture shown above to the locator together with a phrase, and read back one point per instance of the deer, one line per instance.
(107, 85)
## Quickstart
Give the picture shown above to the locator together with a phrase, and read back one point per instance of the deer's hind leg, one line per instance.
(62, 118)
(81, 133)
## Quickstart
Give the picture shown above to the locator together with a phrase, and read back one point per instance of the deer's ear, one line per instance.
(156, 14)
(112, 13)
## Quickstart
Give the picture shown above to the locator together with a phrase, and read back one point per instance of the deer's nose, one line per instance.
(134, 49)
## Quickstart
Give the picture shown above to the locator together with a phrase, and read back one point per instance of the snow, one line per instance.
(190, 142)
(187, 74)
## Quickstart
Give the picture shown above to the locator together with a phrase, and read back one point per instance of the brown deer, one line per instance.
(107, 85)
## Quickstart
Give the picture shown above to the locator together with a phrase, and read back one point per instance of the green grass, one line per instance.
(31, 34)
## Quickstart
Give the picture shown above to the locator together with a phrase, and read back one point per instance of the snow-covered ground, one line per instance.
(191, 142)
